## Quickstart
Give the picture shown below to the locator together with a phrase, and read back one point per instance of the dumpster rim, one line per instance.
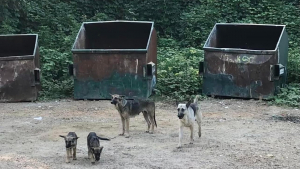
(235, 50)
(23, 57)
(109, 50)
(112, 50)
(254, 24)
(11, 58)
(92, 22)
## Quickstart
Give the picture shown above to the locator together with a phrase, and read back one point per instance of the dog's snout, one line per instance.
(68, 145)
(180, 115)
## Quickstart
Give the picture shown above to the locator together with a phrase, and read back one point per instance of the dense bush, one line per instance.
(294, 66)
(289, 96)
(182, 26)
(178, 70)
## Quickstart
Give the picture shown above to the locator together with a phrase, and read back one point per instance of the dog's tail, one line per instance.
(101, 138)
(196, 100)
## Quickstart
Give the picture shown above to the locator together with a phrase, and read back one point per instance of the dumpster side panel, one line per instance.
(37, 64)
(238, 75)
(17, 81)
(152, 57)
(212, 38)
(283, 55)
(97, 75)
(283, 49)
(80, 42)
(152, 51)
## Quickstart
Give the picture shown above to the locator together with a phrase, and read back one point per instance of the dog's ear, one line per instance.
(101, 148)
(62, 136)
(176, 102)
(123, 102)
(77, 138)
(188, 104)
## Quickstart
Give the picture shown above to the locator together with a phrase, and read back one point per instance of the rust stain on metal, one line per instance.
(100, 66)
(243, 69)
(245, 60)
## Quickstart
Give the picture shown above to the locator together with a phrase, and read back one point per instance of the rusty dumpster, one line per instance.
(19, 68)
(245, 60)
(114, 57)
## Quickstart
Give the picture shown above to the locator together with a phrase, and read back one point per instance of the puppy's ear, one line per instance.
(62, 136)
(188, 104)
(77, 138)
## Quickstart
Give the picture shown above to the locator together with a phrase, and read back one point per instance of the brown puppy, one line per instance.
(71, 144)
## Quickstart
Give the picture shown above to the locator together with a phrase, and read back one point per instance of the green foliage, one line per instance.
(178, 72)
(55, 80)
(294, 66)
(182, 25)
(195, 25)
(289, 96)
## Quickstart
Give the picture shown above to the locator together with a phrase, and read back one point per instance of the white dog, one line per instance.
(188, 114)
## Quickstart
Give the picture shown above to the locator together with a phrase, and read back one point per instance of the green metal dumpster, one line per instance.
(114, 57)
(245, 60)
(19, 68)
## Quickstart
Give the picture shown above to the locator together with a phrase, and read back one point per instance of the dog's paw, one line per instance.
(151, 132)
(121, 134)
(127, 135)
(67, 161)
(147, 131)
(199, 134)
(75, 158)
(178, 146)
(191, 142)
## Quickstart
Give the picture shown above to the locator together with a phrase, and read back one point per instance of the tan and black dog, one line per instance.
(188, 114)
(71, 144)
(94, 148)
(131, 108)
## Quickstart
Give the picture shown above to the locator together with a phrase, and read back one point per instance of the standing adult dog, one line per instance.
(131, 108)
(188, 114)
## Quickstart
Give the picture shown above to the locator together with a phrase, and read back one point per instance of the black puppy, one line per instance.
(94, 149)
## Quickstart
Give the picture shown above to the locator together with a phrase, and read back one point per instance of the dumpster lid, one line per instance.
(18, 46)
(228, 37)
(137, 33)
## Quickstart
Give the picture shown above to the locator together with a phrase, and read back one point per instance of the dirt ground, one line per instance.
(235, 134)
